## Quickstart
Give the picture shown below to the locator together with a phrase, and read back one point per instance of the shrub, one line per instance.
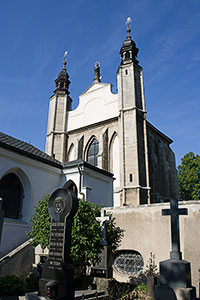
(12, 285)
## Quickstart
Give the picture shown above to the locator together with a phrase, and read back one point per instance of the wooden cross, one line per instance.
(102, 220)
(175, 212)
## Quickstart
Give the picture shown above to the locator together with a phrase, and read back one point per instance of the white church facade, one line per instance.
(111, 131)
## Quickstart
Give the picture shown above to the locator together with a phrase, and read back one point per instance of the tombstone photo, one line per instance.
(57, 280)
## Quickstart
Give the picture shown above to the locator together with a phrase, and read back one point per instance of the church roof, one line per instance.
(26, 149)
(161, 134)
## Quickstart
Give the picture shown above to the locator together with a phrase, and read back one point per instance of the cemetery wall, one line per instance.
(146, 230)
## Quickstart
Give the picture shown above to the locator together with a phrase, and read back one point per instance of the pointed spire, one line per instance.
(129, 50)
(62, 82)
(97, 77)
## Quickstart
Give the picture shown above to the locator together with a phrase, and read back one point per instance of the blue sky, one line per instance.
(35, 34)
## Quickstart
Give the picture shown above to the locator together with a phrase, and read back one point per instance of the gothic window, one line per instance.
(11, 192)
(92, 154)
(128, 262)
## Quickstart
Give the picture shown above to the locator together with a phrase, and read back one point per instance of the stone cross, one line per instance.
(175, 212)
(102, 220)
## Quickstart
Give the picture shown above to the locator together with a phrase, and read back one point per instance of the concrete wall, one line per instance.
(146, 230)
(18, 262)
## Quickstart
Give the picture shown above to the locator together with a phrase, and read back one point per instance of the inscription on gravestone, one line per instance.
(58, 273)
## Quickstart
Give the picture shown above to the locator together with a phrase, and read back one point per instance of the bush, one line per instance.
(86, 233)
(12, 285)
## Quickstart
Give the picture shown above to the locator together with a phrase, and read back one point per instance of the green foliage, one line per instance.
(189, 177)
(12, 285)
(86, 233)
(142, 287)
(41, 224)
(114, 234)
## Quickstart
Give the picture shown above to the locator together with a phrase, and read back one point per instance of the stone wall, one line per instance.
(146, 230)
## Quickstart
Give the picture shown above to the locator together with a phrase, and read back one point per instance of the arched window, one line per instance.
(92, 154)
(11, 191)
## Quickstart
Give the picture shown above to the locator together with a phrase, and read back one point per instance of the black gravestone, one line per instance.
(58, 273)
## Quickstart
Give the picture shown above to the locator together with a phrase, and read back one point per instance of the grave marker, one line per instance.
(174, 281)
(58, 273)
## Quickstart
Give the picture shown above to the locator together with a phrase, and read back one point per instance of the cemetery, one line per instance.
(55, 275)
(98, 215)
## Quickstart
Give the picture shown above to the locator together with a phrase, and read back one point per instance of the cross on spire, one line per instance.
(128, 21)
(102, 220)
(175, 212)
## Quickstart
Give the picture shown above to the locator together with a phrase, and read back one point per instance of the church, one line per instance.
(110, 131)
(114, 156)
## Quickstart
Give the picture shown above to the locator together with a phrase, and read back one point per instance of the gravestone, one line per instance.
(58, 273)
(1, 219)
(174, 281)
(104, 267)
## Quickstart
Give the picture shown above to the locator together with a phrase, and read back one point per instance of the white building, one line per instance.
(27, 174)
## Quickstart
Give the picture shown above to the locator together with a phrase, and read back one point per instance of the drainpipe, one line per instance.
(80, 182)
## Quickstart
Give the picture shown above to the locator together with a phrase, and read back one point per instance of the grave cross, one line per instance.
(175, 212)
(102, 220)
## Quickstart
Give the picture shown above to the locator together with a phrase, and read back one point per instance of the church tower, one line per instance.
(134, 173)
(59, 106)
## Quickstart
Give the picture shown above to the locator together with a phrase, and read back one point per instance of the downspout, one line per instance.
(80, 182)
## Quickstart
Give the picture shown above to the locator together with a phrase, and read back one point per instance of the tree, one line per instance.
(86, 233)
(189, 177)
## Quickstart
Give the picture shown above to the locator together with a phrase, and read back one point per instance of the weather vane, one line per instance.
(65, 54)
(128, 21)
